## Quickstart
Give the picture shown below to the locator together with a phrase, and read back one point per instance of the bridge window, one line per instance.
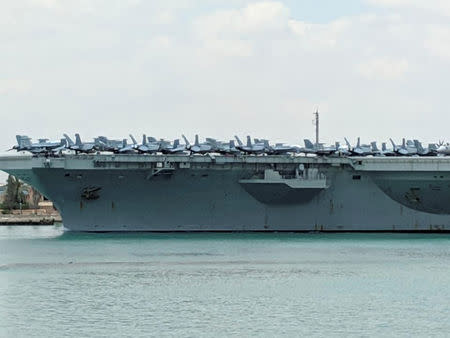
(356, 177)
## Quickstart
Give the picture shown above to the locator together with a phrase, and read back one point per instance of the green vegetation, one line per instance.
(14, 195)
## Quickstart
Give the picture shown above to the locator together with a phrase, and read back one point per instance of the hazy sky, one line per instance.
(375, 68)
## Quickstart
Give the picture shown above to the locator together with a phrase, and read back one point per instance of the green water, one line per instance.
(55, 284)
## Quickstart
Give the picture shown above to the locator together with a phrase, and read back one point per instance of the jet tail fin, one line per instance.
(308, 144)
(78, 140)
(176, 143)
(196, 143)
(348, 144)
(418, 145)
(144, 140)
(133, 139)
(238, 140)
(383, 146)
(358, 144)
(61, 147)
(232, 144)
(374, 146)
(23, 141)
(249, 141)
(69, 140)
(393, 144)
(185, 140)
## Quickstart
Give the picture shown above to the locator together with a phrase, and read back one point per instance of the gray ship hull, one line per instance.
(201, 193)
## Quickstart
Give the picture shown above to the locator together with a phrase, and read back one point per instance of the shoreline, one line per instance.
(24, 220)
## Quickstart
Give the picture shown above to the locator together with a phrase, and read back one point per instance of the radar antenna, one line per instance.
(316, 115)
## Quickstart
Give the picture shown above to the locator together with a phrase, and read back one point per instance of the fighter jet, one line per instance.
(165, 146)
(24, 144)
(63, 145)
(105, 144)
(319, 149)
(434, 147)
(126, 148)
(256, 148)
(404, 149)
(387, 151)
(443, 149)
(227, 148)
(282, 148)
(431, 150)
(43, 146)
(145, 146)
(360, 149)
(175, 148)
(197, 147)
(78, 146)
(342, 150)
(278, 148)
(380, 152)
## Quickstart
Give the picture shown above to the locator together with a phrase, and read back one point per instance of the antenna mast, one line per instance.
(316, 114)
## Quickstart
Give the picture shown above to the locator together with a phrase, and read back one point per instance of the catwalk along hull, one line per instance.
(246, 193)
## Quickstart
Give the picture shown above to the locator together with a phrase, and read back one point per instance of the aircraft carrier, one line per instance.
(182, 192)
